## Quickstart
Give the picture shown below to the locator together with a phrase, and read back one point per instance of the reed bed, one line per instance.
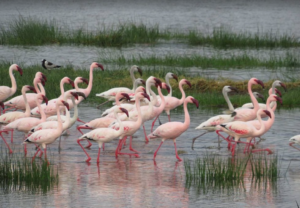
(31, 31)
(20, 173)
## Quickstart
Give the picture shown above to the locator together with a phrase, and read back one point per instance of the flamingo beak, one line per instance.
(175, 77)
(75, 95)
(144, 90)
(100, 66)
(261, 97)
(42, 81)
(126, 96)
(2, 105)
(32, 89)
(278, 92)
(267, 113)
(291, 143)
(143, 82)
(81, 94)
(158, 82)
(146, 96)
(20, 70)
(124, 111)
(165, 86)
(140, 71)
(279, 99)
(86, 81)
(260, 83)
(71, 83)
(195, 102)
(188, 83)
(283, 86)
(66, 104)
(233, 89)
(44, 77)
(45, 99)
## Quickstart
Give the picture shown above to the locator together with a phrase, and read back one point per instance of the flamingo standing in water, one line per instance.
(47, 136)
(172, 130)
(25, 124)
(6, 92)
(18, 101)
(241, 129)
(103, 135)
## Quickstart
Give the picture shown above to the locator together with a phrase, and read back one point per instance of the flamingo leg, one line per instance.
(45, 150)
(122, 143)
(103, 146)
(118, 148)
(153, 123)
(89, 158)
(89, 145)
(233, 148)
(146, 138)
(83, 127)
(169, 118)
(80, 120)
(98, 159)
(194, 139)
(35, 154)
(155, 153)
(7, 109)
(130, 146)
(10, 151)
(178, 158)
(260, 150)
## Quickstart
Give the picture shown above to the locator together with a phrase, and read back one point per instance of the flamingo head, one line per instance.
(74, 94)
(95, 64)
(258, 95)
(257, 81)
(157, 81)
(283, 86)
(31, 88)
(125, 95)
(193, 100)
(278, 99)
(174, 76)
(139, 70)
(267, 113)
(294, 140)
(45, 99)
(71, 82)
(65, 104)
(188, 83)
(146, 95)
(2, 105)
(86, 81)
(278, 92)
(124, 111)
(165, 86)
(233, 89)
(17, 68)
(142, 81)
(81, 94)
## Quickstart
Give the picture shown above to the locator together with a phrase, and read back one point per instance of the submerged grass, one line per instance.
(207, 91)
(20, 173)
(31, 31)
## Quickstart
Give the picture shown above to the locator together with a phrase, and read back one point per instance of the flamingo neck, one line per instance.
(230, 106)
(135, 85)
(42, 89)
(268, 123)
(60, 126)
(35, 84)
(118, 97)
(121, 126)
(27, 107)
(187, 121)
(87, 90)
(76, 85)
(67, 122)
(43, 115)
(162, 103)
(138, 108)
(262, 127)
(75, 116)
(132, 78)
(182, 93)
(13, 82)
(62, 90)
(253, 99)
(167, 78)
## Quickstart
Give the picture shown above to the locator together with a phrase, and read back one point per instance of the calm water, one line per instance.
(137, 182)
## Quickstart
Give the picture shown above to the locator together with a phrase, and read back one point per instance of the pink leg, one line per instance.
(155, 153)
(80, 121)
(89, 158)
(146, 138)
(118, 148)
(103, 147)
(153, 123)
(98, 159)
(89, 145)
(36, 153)
(169, 118)
(122, 143)
(46, 156)
(233, 149)
(41, 154)
(178, 158)
(260, 150)
(130, 146)
(25, 149)
(83, 127)
(9, 109)
(10, 151)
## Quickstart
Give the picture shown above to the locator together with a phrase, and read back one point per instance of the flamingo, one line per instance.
(295, 140)
(172, 130)
(110, 94)
(25, 124)
(18, 101)
(6, 92)
(12, 116)
(103, 135)
(50, 109)
(47, 136)
(130, 127)
(241, 129)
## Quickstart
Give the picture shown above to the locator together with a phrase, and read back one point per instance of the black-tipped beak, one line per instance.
(158, 82)
(75, 95)
(126, 96)
(42, 81)
(143, 82)
(233, 89)
(146, 96)
(45, 99)
(144, 90)
(86, 81)
(188, 83)
(267, 113)
(175, 77)
(195, 102)
(140, 71)
(32, 89)
(71, 83)
(278, 92)
(81, 94)
(279, 99)
(44, 77)
(260, 83)
(283, 86)
(20, 70)
(66, 104)
(124, 111)
(167, 88)
(100, 66)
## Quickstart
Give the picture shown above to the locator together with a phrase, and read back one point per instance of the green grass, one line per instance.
(31, 31)
(17, 172)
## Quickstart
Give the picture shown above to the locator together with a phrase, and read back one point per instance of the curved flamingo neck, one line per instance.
(230, 106)
(27, 107)
(35, 84)
(67, 122)
(62, 89)
(118, 97)
(13, 81)
(75, 116)
(135, 85)
(42, 89)
(162, 103)
(253, 99)
(167, 78)
(186, 115)
(182, 93)
(76, 84)
(262, 127)
(121, 125)
(87, 90)
(268, 123)
(43, 115)
(132, 77)
(60, 126)
(138, 108)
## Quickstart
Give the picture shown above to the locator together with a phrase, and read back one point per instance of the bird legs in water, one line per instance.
(157, 117)
(146, 138)
(11, 108)
(12, 134)
(155, 153)
(85, 127)
(119, 147)
(89, 158)
(10, 151)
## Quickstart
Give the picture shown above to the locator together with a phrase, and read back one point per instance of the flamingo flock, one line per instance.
(42, 123)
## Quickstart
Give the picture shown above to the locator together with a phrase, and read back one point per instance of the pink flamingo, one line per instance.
(241, 129)
(47, 136)
(6, 92)
(50, 109)
(130, 127)
(295, 140)
(18, 101)
(25, 124)
(172, 130)
(103, 135)
(12, 116)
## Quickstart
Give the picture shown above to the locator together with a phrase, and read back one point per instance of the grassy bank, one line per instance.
(207, 91)
(30, 31)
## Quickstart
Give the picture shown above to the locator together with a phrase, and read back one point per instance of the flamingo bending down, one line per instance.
(25, 124)
(50, 109)
(110, 94)
(241, 129)
(103, 135)
(18, 101)
(130, 127)
(47, 136)
(295, 140)
(172, 130)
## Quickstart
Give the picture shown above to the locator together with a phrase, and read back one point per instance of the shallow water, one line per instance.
(137, 182)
